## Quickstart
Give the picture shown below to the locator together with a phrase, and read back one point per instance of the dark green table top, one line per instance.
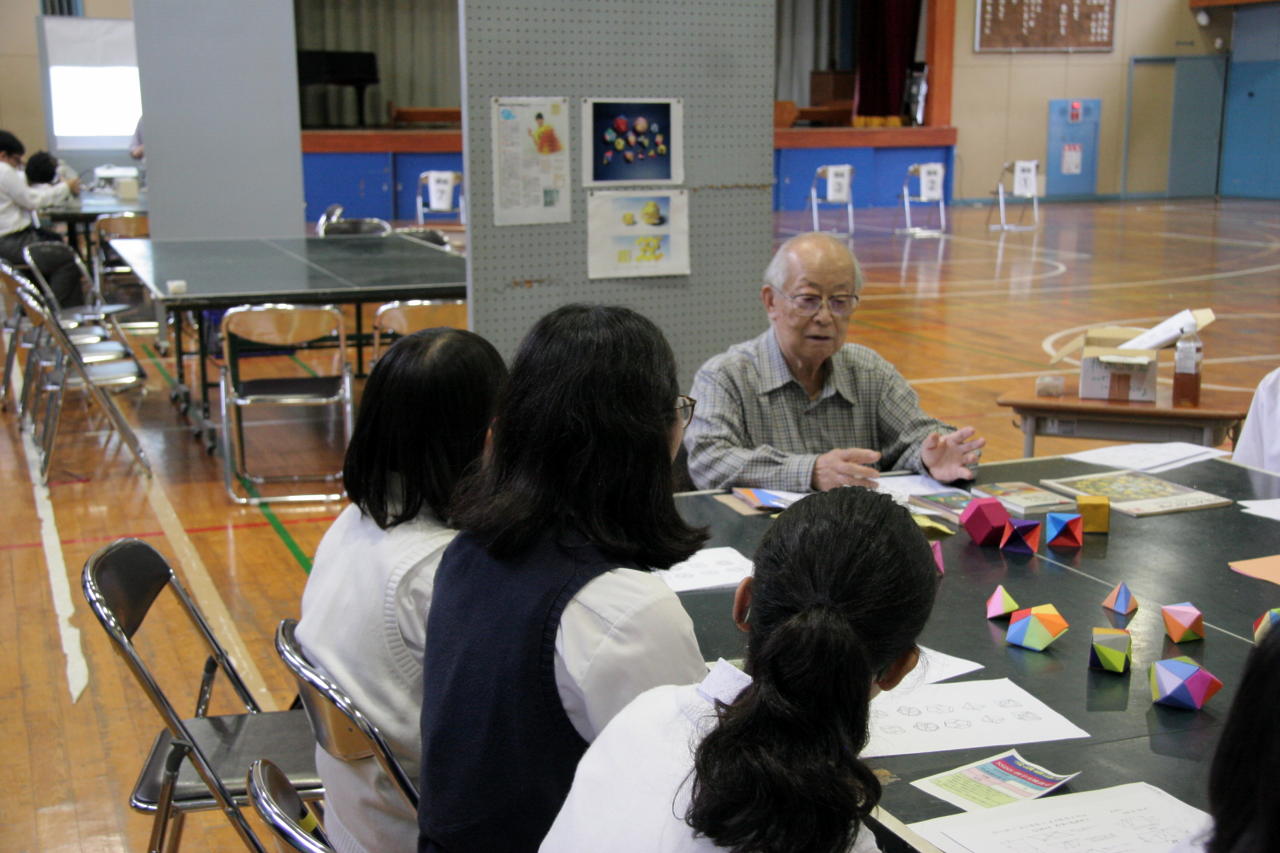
(1164, 559)
(90, 205)
(220, 273)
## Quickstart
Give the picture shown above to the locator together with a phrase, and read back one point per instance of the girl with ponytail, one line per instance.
(767, 760)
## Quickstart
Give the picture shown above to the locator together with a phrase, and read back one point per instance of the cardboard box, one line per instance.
(1112, 368)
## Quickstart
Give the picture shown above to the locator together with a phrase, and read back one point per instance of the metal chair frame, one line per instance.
(424, 178)
(286, 326)
(913, 171)
(409, 315)
(332, 224)
(96, 309)
(277, 802)
(121, 582)
(1000, 194)
(821, 174)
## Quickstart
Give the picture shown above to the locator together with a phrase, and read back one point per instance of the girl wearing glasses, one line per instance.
(546, 619)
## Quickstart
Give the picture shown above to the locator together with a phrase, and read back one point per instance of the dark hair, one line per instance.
(844, 582)
(9, 144)
(1245, 808)
(422, 422)
(42, 168)
(582, 442)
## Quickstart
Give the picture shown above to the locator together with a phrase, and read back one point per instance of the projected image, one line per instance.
(94, 106)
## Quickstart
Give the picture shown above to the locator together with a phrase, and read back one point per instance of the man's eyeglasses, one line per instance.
(809, 304)
(684, 409)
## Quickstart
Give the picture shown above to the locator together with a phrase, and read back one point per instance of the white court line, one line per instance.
(56, 566)
(206, 594)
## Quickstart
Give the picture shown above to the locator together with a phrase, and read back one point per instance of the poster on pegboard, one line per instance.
(530, 160)
(637, 233)
(632, 141)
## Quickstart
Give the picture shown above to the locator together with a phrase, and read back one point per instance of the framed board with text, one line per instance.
(1068, 26)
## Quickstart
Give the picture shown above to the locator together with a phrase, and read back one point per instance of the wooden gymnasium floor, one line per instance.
(961, 318)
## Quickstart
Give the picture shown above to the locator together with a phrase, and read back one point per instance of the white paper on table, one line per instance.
(935, 666)
(962, 715)
(1263, 508)
(1132, 818)
(1163, 334)
(1150, 457)
(1001, 780)
(708, 569)
(909, 484)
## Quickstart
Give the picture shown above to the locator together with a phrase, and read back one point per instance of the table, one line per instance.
(80, 213)
(1120, 420)
(226, 273)
(1164, 559)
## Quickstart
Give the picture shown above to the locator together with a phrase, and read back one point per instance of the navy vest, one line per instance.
(498, 749)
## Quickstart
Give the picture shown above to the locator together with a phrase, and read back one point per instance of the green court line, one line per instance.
(155, 360)
(302, 364)
(287, 538)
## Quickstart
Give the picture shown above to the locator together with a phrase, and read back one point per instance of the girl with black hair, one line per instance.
(767, 760)
(423, 418)
(546, 619)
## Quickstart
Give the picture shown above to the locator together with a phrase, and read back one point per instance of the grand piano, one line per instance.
(355, 68)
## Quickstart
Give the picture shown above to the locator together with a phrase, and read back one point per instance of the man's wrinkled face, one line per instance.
(810, 316)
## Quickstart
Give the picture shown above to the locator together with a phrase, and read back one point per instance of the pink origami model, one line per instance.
(1000, 603)
(1036, 627)
(1183, 622)
(984, 519)
(937, 557)
(1182, 683)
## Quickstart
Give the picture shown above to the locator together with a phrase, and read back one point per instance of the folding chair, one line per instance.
(110, 270)
(395, 319)
(198, 763)
(45, 256)
(929, 178)
(439, 195)
(341, 729)
(838, 190)
(1024, 174)
(278, 804)
(280, 327)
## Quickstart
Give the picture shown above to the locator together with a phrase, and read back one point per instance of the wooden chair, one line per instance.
(277, 802)
(402, 317)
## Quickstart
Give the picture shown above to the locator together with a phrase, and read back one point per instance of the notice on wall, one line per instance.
(638, 141)
(1010, 26)
(1072, 158)
(530, 160)
(641, 233)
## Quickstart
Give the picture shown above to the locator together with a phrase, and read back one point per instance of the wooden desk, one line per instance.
(1219, 412)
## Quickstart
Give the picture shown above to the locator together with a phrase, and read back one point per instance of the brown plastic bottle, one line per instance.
(1187, 355)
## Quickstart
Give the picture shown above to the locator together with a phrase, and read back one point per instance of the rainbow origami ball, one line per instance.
(1035, 627)
(1182, 683)
(1020, 535)
(1063, 530)
(1265, 623)
(1000, 603)
(1112, 649)
(1120, 599)
(1183, 622)
(984, 519)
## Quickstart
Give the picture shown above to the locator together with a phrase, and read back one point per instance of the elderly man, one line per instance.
(798, 408)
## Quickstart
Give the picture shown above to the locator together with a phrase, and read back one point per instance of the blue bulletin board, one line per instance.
(1071, 163)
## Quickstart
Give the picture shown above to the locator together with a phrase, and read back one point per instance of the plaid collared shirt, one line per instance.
(755, 426)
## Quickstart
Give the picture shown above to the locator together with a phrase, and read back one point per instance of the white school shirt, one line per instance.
(1259, 443)
(18, 198)
(364, 620)
(631, 790)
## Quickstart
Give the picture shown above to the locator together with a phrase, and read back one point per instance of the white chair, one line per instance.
(930, 179)
(1259, 443)
(838, 180)
(1025, 181)
(436, 194)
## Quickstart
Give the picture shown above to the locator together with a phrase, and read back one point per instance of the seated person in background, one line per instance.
(18, 198)
(422, 422)
(1244, 804)
(1259, 443)
(797, 408)
(546, 618)
(768, 760)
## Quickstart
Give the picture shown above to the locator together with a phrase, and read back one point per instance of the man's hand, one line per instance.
(946, 457)
(845, 466)
(73, 184)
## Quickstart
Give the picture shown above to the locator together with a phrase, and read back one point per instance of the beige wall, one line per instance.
(22, 95)
(1000, 102)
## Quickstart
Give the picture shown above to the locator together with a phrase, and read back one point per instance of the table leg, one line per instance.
(1028, 435)
(359, 340)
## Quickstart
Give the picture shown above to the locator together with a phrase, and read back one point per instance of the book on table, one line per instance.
(948, 503)
(1137, 493)
(1025, 499)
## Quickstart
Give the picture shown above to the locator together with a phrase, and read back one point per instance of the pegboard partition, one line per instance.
(716, 55)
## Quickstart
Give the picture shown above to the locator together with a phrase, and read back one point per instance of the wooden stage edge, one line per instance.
(381, 140)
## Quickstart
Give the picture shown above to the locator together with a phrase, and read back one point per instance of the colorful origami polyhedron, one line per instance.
(1265, 623)
(1182, 683)
(1035, 627)
(937, 557)
(1095, 511)
(1021, 535)
(1120, 599)
(1000, 603)
(1111, 650)
(984, 519)
(1064, 530)
(1183, 622)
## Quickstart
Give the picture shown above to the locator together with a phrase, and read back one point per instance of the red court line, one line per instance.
(153, 534)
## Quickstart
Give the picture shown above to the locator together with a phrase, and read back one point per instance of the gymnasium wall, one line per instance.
(1000, 101)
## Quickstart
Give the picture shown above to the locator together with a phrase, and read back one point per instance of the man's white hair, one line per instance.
(779, 270)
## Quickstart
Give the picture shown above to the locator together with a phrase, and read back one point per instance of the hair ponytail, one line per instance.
(844, 582)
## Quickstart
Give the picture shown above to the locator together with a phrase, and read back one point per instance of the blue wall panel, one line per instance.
(1251, 131)
(1063, 132)
(407, 169)
(878, 173)
(361, 183)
